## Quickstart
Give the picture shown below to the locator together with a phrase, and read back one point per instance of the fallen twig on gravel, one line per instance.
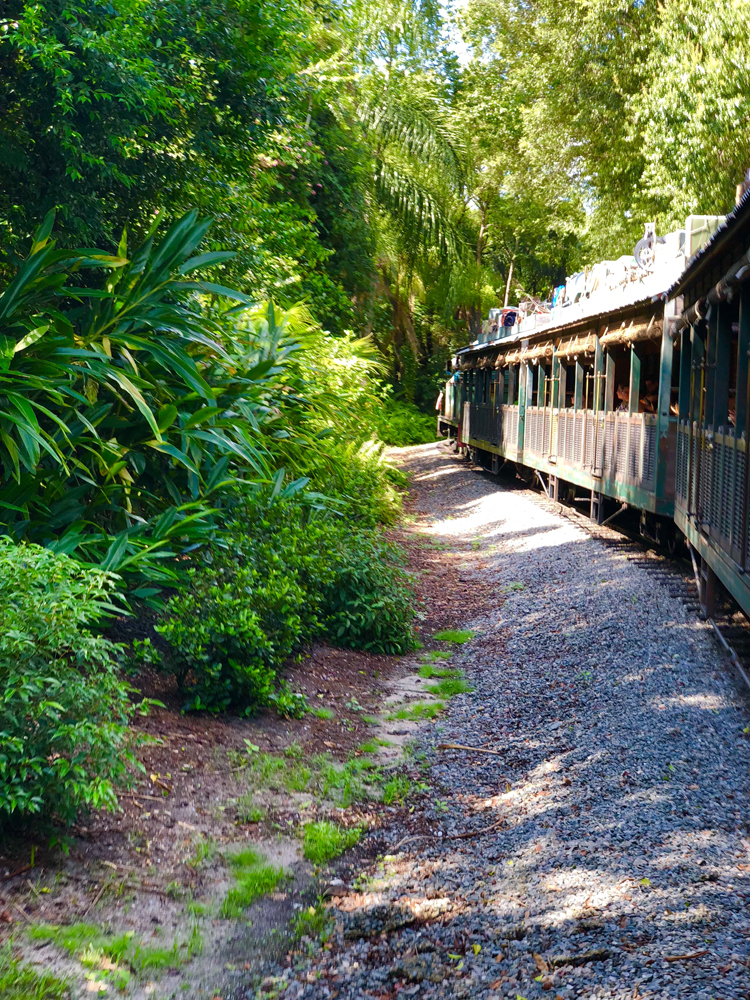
(476, 833)
(460, 746)
(686, 958)
(408, 840)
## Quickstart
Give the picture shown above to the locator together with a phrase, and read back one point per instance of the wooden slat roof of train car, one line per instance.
(712, 262)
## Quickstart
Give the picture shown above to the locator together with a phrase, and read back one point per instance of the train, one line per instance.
(629, 390)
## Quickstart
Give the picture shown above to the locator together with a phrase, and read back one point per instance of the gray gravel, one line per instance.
(618, 804)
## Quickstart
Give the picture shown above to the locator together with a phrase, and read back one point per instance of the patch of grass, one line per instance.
(324, 840)
(418, 711)
(371, 720)
(197, 909)
(323, 713)
(436, 654)
(396, 790)
(19, 981)
(371, 746)
(427, 670)
(204, 852)
(247, 812)
(514, 586)
(450, 687)
(115, 957)
(315, 922)
(254, 878)
(453, 635)
(359, 778)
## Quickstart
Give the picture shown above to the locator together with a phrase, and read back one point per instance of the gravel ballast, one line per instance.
(603, 849)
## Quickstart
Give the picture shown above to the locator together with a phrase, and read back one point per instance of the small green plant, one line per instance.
(396, 790)
(449, 687)
(324, 840)
(418, 712)
(176, 890)
(204, 852)
(254, 878)
(323, 713)
(454, 635)
(315, 922)
(19, 981)
(289, 704)
(514, 586)
(371, 720)
(370, 746)
(249, 813)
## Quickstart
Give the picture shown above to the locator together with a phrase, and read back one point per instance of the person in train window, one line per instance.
(732, 410)
(623, 394)
(649, 400)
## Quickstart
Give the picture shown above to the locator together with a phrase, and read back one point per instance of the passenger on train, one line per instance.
(623, 394)
(649, 400)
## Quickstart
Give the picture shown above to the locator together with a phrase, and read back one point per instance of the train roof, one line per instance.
(713, 260)
(617, 314)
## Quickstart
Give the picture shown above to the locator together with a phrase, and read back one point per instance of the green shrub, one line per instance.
(229, 632)
(401, 424)
(362, 484)
(369, 604)
(289, 574)
(64, 741)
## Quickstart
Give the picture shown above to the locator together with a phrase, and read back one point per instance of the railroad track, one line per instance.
(729, 623)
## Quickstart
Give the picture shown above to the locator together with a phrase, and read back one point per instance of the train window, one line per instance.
(570, 384)
(648, 391)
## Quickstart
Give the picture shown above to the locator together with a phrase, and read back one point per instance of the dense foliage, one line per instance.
(289, 574)
(239, 242)
(63, 708)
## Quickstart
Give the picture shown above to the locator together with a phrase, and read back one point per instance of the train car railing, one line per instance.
(710, 485)
(620, 446)
(509, 427)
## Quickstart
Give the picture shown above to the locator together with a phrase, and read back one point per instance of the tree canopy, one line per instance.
(350, 158)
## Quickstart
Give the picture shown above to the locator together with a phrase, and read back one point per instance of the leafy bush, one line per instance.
(289, 574)
(64, 741)
(401, 424)
(229, 632)
(369, 604)
(362, 485)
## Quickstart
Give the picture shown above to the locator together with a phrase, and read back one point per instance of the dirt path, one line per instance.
(601, 849)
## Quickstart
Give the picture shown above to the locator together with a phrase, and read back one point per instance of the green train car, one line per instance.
(710, 329)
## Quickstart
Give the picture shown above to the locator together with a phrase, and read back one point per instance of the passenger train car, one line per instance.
(635, 390)
(710, 331)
